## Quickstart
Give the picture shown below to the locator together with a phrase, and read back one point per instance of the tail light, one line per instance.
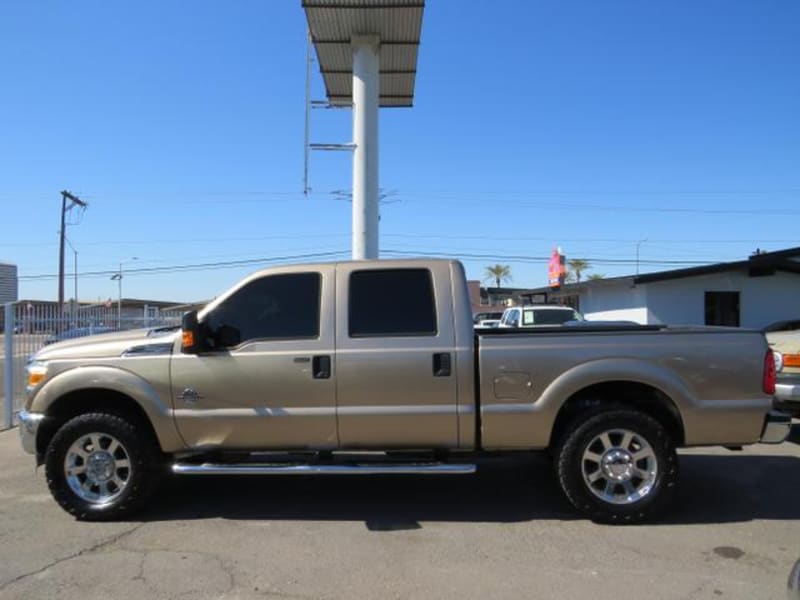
(769, 373)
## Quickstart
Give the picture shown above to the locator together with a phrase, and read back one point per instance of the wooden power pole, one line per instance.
(65, 195)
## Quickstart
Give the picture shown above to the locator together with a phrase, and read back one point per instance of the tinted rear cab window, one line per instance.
(548, 317)
(392, 302)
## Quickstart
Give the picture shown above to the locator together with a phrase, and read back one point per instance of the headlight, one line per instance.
(35, 373)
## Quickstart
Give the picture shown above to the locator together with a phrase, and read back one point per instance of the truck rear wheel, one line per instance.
(101, 467)
(618, 466)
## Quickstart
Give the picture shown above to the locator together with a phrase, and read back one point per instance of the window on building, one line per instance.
(274, 307)
(722, 308)
(392, 302)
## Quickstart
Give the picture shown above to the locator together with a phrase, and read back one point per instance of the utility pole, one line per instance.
(75, 275)
(65, 195)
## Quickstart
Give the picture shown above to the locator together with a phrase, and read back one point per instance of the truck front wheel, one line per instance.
(618, 466)
(100, 466)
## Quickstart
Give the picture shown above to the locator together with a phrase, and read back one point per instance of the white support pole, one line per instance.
(8, 365)
(366, 92)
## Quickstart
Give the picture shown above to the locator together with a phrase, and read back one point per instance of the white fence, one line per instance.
(28, 327)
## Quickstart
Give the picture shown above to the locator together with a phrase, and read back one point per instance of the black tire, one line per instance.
(138, 479)
(607, 500)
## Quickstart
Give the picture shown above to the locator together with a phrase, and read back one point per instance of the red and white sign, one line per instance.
(557, 268)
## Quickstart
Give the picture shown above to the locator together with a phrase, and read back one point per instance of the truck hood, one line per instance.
(136, 341)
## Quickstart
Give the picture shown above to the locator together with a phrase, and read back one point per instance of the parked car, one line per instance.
(487, 316)
(295, 371)
(788, 325)
(78, 332)
(787, 388)
(538, 315)
(488, 324)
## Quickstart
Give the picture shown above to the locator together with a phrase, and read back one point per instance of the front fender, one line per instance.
(117, 380)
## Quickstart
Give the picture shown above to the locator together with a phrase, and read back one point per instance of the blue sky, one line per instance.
(592, 125)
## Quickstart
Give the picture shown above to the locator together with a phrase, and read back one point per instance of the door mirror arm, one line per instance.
(227, 336)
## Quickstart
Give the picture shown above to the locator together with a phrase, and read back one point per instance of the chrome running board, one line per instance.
(366, 469)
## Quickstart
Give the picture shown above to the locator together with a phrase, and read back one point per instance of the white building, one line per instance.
(750, 293)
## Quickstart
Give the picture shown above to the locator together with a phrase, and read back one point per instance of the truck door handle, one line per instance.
(441, 364)
(321, 367)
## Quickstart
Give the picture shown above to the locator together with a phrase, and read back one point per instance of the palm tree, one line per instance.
(577, 266)
(499, 273)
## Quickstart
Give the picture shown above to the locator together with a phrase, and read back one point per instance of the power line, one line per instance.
(336, 254)
(194, 194)
(549, 239)
(585, 240)
(181, 241)
(545, 259)
(607, 207)
(195, 266)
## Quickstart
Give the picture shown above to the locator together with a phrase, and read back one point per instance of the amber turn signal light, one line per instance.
(35, 378)
(791, 360)
(188, 339)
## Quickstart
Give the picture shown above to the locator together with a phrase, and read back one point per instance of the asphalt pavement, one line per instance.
(733, 533)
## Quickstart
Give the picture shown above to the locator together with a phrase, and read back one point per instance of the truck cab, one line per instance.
(538, 315)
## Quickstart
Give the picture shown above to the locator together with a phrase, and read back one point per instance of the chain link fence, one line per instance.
(27, 327)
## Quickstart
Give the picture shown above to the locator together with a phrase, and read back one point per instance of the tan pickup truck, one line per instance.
(374, 367)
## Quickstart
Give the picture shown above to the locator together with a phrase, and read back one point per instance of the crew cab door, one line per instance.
(273, 387)
(396, 367)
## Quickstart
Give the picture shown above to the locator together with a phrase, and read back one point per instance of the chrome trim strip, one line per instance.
(256, 469)
(787, 391)
(315, 411)
(28, 426)
(777, 426)
(149, 350)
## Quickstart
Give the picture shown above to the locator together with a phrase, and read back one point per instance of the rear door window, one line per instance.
(392, 302)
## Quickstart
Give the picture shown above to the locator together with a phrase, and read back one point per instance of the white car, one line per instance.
(786, 345)
(538, 315)
(487, 324)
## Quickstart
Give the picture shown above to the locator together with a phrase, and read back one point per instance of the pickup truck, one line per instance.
(294, 371)
(538, 315)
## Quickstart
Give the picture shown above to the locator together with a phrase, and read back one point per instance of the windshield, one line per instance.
(549, 316)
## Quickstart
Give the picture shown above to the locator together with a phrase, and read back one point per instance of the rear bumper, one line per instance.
(787, 394)
(777, 426)
(788, 391)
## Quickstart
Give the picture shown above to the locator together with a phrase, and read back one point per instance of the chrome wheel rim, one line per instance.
(97, 468)
(619, 466)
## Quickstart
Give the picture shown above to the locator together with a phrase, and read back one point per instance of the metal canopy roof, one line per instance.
(398, 24)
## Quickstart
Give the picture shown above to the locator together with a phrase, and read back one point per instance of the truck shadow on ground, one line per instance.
(712, 489)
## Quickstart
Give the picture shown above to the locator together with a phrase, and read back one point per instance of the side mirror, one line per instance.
(227, 336)
(190, 330)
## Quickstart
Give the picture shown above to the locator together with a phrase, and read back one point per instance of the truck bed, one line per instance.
(708, 377)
